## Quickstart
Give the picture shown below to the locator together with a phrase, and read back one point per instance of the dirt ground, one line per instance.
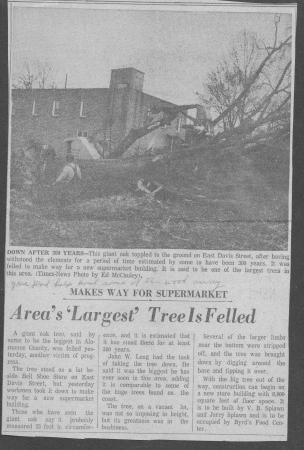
(228, 200)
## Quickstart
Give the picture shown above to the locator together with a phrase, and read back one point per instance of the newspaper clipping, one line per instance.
(148, 222)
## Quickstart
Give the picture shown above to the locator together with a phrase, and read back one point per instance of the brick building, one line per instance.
(52, 115)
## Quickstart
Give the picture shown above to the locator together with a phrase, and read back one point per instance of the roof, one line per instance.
(58, 90)
(127, 68)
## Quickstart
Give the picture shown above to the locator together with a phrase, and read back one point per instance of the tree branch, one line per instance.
(252, 81)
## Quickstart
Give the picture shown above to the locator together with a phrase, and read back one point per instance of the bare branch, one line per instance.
(34, 74)
(251, 82)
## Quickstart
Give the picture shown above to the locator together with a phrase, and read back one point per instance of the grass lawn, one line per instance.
(225, 200)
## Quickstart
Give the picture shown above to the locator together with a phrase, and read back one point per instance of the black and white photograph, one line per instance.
(150, 128)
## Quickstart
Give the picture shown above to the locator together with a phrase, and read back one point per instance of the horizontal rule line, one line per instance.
(123, 432)
(158, 3)
(178, 219)
(146, 300)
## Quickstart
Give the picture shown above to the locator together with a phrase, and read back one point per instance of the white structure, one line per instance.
(81, 148)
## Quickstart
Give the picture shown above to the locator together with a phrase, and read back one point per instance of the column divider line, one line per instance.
(193, 379)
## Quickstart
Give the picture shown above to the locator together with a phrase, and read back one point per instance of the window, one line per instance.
(82, 111)
(56, 106)
(81, 133)
(178, 124)
(34, 110)
(147, 117)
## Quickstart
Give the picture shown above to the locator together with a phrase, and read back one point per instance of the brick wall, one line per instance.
(51, 129)
(114, 111)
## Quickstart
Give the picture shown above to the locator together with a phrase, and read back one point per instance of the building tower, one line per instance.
(125, 105)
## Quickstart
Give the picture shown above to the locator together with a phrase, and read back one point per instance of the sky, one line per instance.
(175, 50)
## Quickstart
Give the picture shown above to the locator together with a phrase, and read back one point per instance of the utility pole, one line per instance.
(111, 113)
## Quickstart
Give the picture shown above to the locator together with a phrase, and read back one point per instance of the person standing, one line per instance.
(47, 165)
(29, 168)
(68, 183)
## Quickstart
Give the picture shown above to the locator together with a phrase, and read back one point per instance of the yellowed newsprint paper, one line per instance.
(148, 222)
